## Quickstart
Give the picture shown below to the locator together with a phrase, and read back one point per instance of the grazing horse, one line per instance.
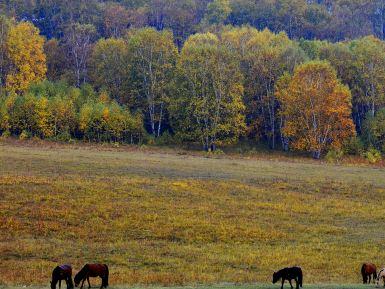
(293, 273)
(92, 270)
(381, 275)
(367, 270)
(63, 272)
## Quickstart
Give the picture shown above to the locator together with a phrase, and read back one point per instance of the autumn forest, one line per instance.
(302, 75)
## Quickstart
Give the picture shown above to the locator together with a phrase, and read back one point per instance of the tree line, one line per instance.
(221, 86)
(333, 20)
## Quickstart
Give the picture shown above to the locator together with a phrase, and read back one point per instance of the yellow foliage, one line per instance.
(25, 51)
(43, 118)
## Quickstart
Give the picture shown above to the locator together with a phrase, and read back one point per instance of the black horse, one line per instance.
(63, 272)
(92, 270)
(293, 273)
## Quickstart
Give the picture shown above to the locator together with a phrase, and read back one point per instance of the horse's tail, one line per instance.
(300, 278)
(363, 272)
(106, 276)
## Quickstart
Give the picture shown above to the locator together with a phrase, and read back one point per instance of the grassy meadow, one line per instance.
(159, 217)
(217, 286)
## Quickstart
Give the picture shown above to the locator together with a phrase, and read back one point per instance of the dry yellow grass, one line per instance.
(163, 218)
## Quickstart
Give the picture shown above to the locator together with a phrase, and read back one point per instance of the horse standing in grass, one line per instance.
(368, 270)
(92, 270)
(293, 273)
(63, 272)
(381, 275)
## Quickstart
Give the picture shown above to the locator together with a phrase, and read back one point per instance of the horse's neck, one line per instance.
(381, 274)
(84, 271)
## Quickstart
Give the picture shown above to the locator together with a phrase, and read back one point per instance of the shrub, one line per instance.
(100, 121)
(6, 134)
(24, 135)
(354, 146)
(334, 155)
(372, 155)
(165, 139)
(58, 111)
(64, 136)
(218, 152)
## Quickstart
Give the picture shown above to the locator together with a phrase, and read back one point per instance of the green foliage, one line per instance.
(110, 67)
(217, 12)
(56, 110)
(153, 56)
(100, 121)
(374, 130)
(165, 139)
(4, 115)
(334, 155)
(212, 88)
(212, 107)
(354, 146)
(372, 155)
(6, 134)
(24, 135)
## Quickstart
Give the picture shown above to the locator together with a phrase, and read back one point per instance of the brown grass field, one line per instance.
(159, 217)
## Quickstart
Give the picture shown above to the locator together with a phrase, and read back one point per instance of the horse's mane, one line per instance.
(80, 275)
(382, 271)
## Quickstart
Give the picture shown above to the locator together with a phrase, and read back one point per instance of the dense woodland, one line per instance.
(294, 75)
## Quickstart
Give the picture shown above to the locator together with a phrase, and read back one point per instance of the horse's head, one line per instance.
(275, 277)
(77, 280)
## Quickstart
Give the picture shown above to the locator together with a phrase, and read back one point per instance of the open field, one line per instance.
(169, 219)
(222, 286)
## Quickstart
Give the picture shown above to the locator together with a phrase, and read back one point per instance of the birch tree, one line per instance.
(153, 59)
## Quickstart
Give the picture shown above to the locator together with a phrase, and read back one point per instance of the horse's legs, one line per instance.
(370, 278)
(59, 283)
(296, 283)
(290, 284)
(283, 281)
(88, 280)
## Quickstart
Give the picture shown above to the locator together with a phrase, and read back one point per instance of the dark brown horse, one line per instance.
(293, 273)
(63, 272)
(92, 270)
(368, 270)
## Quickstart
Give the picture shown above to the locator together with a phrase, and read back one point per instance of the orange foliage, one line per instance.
(316, 108)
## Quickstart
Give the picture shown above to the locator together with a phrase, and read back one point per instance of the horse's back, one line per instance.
(66, 268)
(63, 269)
(368, 268)
(96, 270)
(290, 272)
(293, 270)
